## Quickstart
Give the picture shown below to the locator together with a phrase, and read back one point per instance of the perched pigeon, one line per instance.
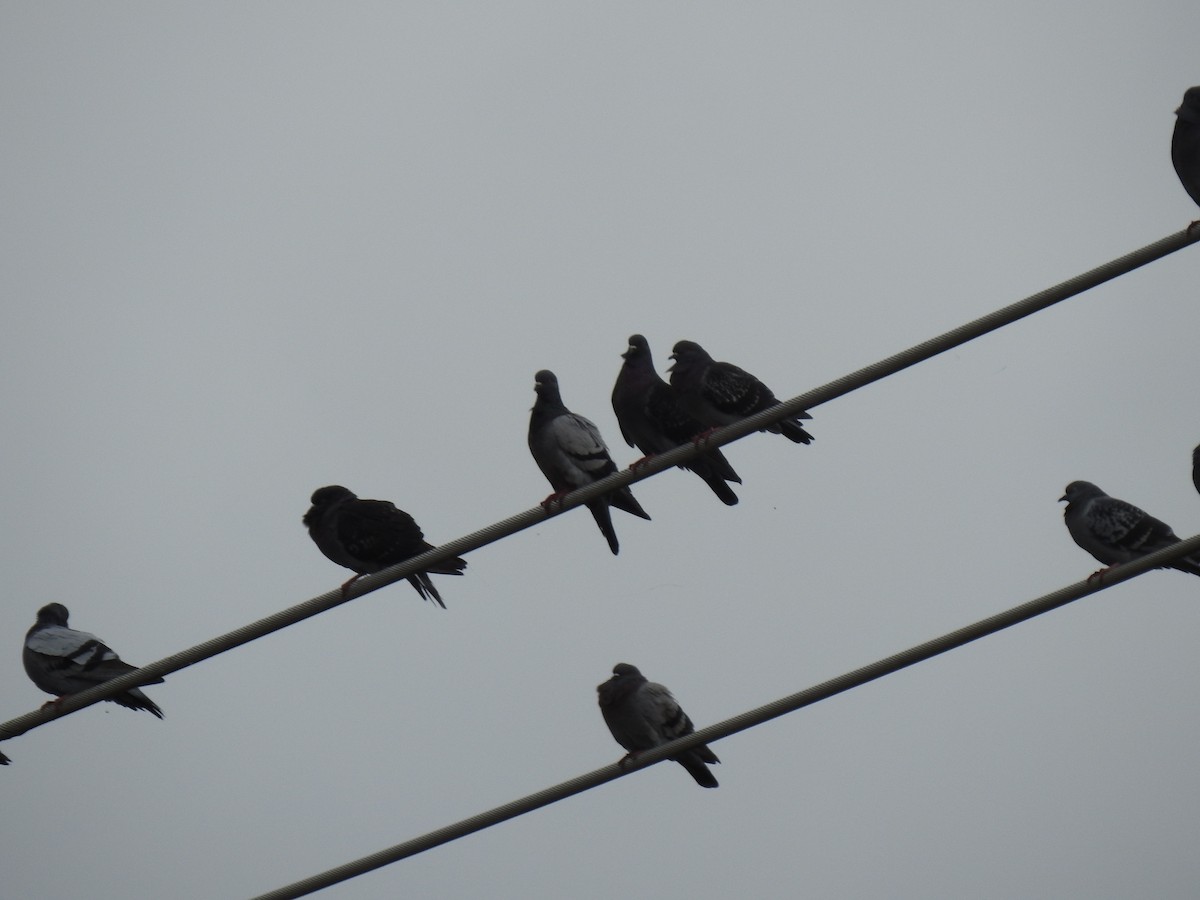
(653, 420)
(571, 454)
(368, 536)
(1185, 144)
(1114, 531)
(62, 661)
(719, 393)
(642, 715)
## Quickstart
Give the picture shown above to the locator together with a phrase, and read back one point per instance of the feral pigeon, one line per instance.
(719, 393)
(653, 420)
(571, 454)
(1185, 144)
(62, 661)
(642, 715)
(368, 536)
(1114, 531)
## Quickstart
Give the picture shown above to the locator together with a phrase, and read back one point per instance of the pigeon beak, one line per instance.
(1062, 499)
(674, 364)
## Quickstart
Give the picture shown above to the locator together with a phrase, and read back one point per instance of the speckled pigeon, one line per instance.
(571, 454)
(642, 715)
(368, 536)
(653, 420)
(1114, 531)
(719, 393)
(1185, 145)
(62, 661)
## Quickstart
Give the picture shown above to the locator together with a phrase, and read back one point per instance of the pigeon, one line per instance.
(1114, 531)
(653, 420)
(571, 454)
(62, 661)
(719, 393)
(368, 536)
(1185, 145)
(1196, 468)
(642, 715)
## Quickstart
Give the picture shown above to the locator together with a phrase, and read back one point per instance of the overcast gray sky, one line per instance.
(250, 250)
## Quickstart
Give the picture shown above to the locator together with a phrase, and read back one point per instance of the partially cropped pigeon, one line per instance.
(642, 715)
(1185, 144)
(653, 420)
(719, 393)
(368, 536)
(1196, 468)
(62, 661)
(571, 454)
(1114, 531)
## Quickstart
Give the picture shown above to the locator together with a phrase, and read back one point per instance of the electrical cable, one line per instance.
(857, 379)
(832, 687)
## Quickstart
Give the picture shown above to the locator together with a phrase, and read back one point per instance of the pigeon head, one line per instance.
(53, 614)
(687, 352)
(1078, 491)
(1189, 110)
(545, 385)
(637, 347)
(625, 680)
(331, 494)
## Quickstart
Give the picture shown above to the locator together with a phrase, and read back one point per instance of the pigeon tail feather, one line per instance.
(599, 511)
(697, 769)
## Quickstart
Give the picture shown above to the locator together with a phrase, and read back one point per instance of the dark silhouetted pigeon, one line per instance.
(1185, 145)
(653, 420)
(1114, 531)
(1196, 468)
(368, 536)
(63, 661)
(719, 393)
(571, 454)
(642, 715)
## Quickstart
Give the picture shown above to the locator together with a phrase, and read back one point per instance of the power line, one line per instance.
(855, 380)
(758, 716)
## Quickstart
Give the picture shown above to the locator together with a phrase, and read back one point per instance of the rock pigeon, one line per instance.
(642, 715)
(1114, 531)
(653, 420)
(62, 661)
(719, 393)
(571, 454)
(1185, 144)
(368, 536)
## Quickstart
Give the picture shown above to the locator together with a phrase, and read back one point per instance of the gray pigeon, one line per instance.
(571, 454)
(62, 661)
(653, 420)
(642, 715)
(719, 393)
(368, 536)
(1185, 144)
(1114, 531)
